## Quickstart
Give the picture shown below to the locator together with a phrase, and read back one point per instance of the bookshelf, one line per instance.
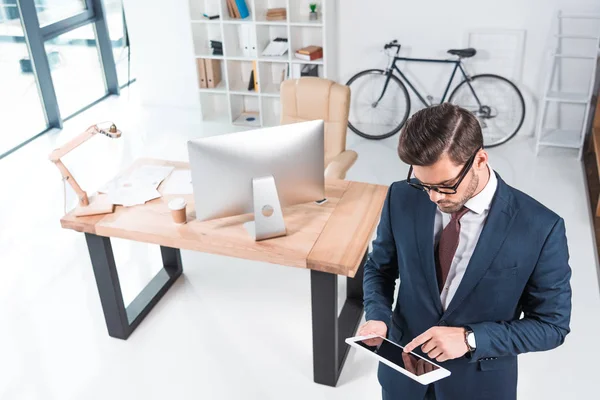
(231, 101)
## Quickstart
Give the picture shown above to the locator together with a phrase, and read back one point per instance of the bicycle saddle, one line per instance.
(463, 53)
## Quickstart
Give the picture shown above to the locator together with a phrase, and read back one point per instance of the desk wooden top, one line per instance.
(332, 237)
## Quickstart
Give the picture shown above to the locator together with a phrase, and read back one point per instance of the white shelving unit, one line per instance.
(231, 101)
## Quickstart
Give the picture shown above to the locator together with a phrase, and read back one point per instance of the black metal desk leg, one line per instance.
(329, 331)
(121, 321)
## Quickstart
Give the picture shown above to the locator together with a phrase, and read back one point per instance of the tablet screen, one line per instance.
(395, 354)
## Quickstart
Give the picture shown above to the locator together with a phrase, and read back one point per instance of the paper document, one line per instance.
(179, 182)
(138, 187)
(150, 174)
(133, 195)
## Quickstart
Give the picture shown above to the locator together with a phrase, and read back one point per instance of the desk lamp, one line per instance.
(99, 204)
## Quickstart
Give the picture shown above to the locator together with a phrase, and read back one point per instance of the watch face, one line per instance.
(471, 339)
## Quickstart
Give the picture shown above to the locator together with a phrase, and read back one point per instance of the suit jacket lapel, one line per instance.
(424, 234)
(501, 215)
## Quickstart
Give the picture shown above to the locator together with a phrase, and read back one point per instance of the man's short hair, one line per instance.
(436, 130)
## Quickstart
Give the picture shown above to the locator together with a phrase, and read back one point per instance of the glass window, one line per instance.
(51, 11)
(115, 19)
(76, 69)
(21, 112)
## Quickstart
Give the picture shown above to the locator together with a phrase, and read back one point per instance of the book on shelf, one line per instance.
(217, 47)
(310, 53)
(309, 50)
(233, 9)
(276, 14)
(251, 81)
(237, 9)
(277, 47)
(242, 8)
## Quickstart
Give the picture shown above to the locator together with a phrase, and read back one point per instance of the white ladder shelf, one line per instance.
(560, 137)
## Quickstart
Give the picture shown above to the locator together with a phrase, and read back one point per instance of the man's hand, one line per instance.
(441, 343)
(373, 328)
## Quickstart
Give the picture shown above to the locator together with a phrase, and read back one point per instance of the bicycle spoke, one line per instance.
(504, 113)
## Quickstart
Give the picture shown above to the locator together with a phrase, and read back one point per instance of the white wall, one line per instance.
(162, 52)
(429, 28)
(162, 48)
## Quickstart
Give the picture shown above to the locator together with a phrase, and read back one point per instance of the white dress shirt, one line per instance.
(471, 226)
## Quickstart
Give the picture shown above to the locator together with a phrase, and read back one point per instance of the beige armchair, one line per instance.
(311, 98)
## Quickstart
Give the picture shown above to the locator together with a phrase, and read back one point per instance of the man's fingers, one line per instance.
(442, 358)
(429, 346)
(433, 354)
(419, 340)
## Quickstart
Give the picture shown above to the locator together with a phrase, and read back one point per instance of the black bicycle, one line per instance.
(381, 105)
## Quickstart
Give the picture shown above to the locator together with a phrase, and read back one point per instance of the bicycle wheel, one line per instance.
(501, 110)
(373, 119)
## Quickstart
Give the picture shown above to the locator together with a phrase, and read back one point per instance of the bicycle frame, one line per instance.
(457, 65)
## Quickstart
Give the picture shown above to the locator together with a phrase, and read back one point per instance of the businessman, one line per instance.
(483, 268)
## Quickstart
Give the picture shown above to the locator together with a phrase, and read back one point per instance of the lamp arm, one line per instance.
(78, 140)
(57, 154)
(81, 194)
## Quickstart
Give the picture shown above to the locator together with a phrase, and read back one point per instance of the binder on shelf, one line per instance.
(201, 73)
(245, 40)
(213, 72)
(252, 39)
(242, 8)
(255, 75)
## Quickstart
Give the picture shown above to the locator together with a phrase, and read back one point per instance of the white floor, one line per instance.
(228, 329)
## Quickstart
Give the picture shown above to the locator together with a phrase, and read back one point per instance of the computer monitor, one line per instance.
(258, 171)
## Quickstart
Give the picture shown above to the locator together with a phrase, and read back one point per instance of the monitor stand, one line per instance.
(268, 217)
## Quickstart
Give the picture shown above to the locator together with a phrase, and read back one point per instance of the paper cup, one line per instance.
(177, 207)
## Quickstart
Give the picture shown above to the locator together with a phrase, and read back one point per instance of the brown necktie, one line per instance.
(447, 246)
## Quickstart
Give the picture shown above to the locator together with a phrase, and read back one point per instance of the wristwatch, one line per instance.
(470, 340)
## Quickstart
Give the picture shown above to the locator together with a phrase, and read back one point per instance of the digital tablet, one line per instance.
(410, 364)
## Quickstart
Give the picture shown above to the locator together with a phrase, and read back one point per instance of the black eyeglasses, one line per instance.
(444, 189)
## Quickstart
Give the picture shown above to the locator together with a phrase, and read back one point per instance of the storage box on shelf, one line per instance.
(243, 42)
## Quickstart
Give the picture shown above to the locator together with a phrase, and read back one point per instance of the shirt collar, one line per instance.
(483, 200)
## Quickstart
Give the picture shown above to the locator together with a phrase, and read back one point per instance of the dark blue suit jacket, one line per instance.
(520, 265)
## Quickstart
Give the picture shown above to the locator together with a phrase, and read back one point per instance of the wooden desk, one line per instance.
(330, 239)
